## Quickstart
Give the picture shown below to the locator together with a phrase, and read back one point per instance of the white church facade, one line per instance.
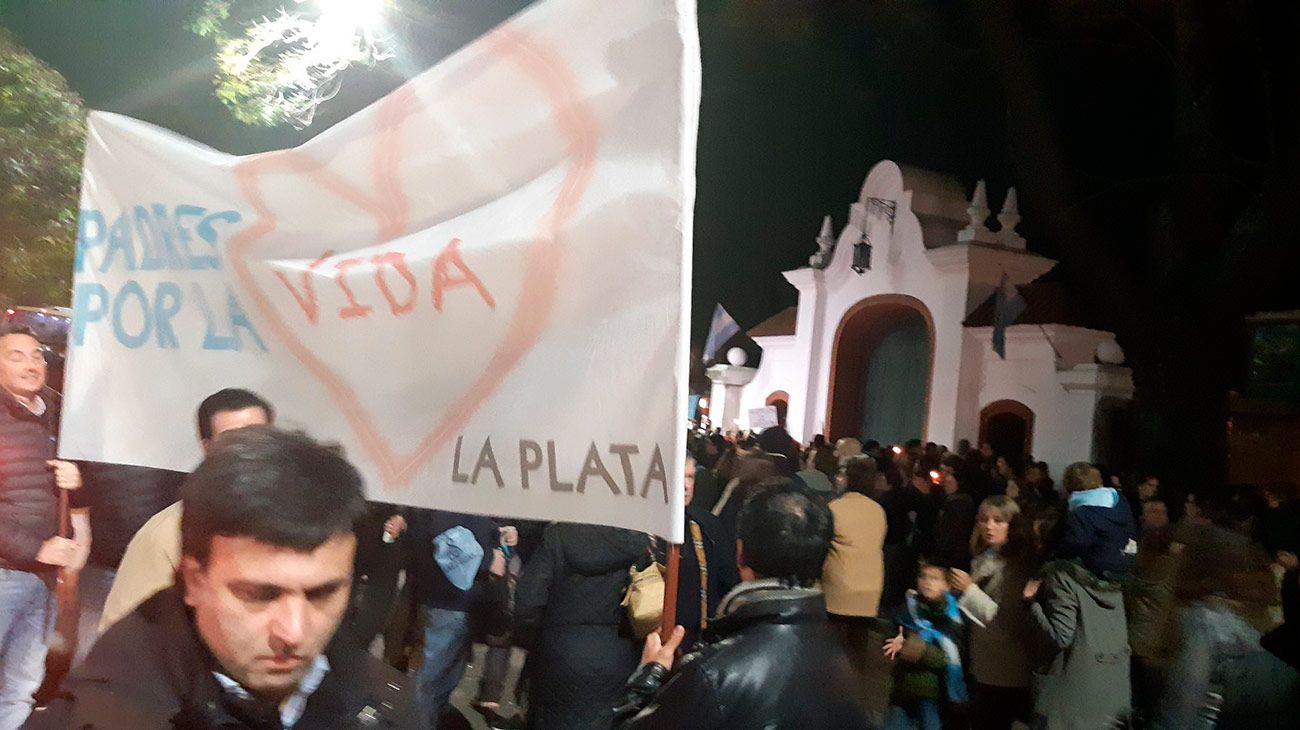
(891, 336)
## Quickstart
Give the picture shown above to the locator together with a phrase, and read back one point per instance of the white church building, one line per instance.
(891, 338)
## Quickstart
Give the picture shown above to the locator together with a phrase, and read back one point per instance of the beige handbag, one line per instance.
(644, 599)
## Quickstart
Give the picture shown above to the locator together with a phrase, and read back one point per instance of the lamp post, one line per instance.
(876, 207)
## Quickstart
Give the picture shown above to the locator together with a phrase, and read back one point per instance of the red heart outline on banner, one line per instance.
(542, 258)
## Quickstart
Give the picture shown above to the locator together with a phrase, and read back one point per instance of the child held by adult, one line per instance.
(929, 690)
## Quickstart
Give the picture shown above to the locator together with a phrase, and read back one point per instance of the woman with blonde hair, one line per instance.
(992, 596)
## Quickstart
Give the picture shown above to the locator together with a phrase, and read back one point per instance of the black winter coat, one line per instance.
(720, 559)
(429, 585)
(952, 531)
(121, 499)
(1102, 538)
(374, 573)
(772, 662)
(150, 670)
(567, 608)
(28, 505)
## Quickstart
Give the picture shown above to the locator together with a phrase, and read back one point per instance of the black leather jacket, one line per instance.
(771, 662)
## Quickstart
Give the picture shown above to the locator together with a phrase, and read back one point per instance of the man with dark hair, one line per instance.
(249, 638)
(31, 550)
(954, 522)
(228, 409)
(771, 661)
(153, 556)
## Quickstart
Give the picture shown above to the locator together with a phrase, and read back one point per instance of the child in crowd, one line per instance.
(1099, 531)
(928, 678)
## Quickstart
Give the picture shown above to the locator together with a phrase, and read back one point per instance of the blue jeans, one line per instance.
(924, 715)
(446, 653)
(26, 622)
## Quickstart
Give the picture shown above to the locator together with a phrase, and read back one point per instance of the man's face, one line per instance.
(223, 421)
(1155, 515)
(1148, 489)
(1003, 467)
(949, 480)
(266, 612)
(22, 366)
(690, 480)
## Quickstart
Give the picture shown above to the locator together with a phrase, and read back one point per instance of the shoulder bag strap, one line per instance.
(698, 539)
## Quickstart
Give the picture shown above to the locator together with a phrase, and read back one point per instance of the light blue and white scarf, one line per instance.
(1098, 497)
(955, 679)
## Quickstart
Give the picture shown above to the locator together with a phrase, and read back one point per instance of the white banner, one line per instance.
(479, 285)
(761, 418)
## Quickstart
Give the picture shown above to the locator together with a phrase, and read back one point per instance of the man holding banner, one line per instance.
(32, 549)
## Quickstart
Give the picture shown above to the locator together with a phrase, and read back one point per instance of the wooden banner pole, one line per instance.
(65, 515)
(670, 591)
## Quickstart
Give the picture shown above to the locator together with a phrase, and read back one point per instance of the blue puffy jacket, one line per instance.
(1099, 532)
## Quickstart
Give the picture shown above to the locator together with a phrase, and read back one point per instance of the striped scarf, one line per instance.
(956, 681)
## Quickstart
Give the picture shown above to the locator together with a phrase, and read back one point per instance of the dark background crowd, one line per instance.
(1097, 600)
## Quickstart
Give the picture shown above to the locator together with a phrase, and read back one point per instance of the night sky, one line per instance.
(1154, 144)
(800, 100)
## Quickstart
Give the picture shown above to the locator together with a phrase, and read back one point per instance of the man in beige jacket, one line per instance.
(853, 576)
(153, 556)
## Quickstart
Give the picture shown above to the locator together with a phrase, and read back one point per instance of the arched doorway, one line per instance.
(881, 370)
(780, 400)
(1008, 426)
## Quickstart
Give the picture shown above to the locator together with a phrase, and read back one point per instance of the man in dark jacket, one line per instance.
(707, 570)
(772, 661)
(380, 558)
(954, 524)
(777, 440)
(120, 499)
(30, 549)
(248, 638)
(908, 510)
(450, 556)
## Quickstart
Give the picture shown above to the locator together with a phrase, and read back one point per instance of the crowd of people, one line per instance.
(830, 585)
(969, 589)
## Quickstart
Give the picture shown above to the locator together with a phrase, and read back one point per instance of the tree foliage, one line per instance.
(278, 61)
(42, 140)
